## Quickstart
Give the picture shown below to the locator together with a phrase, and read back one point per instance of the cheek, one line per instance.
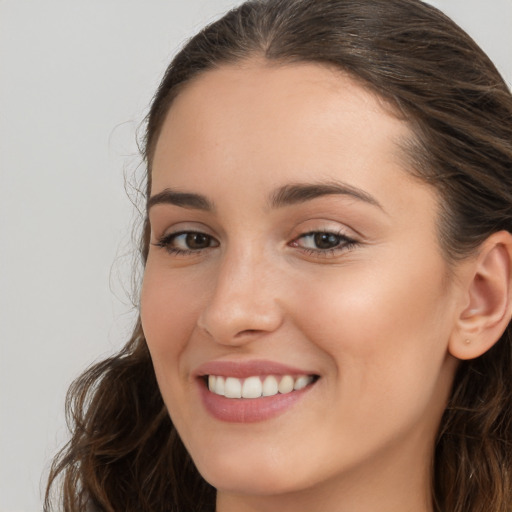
(386, 328)
(169, 312)
(385, 307)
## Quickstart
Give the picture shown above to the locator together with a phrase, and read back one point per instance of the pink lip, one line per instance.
(247, 410)
(244, 369)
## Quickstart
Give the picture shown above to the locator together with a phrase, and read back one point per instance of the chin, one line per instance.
(252, 484)
(251, 476)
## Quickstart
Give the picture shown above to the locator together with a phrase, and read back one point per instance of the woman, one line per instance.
(326, 298)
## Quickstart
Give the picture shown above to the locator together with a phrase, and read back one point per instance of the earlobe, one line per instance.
(487, 308)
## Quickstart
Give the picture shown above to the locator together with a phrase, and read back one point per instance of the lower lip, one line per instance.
(249, 410)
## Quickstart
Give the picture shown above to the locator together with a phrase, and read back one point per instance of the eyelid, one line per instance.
(346, 243)
(166, 239)
(166, 226)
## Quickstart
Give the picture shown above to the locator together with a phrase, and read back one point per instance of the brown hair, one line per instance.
(124, 453)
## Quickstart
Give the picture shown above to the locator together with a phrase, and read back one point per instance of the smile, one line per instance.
(257, 386)
(252, 391)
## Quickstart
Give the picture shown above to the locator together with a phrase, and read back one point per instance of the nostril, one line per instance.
(238, 323)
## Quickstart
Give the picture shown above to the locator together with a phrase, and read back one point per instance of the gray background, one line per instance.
(76, 78)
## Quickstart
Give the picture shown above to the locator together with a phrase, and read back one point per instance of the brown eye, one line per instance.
(197, 241)
(323, 243)
(187, 242)
(322, 240)
(326, 240)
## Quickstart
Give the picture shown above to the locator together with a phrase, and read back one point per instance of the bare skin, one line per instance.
(351, 286)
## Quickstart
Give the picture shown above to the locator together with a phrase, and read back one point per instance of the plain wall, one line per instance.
(76, 78)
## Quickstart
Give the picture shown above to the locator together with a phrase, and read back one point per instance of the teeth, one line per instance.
(301, 382)
(255, 387)
(270, 386)
(286, 384)
(219, 386)
(252, 388)
(233, 388)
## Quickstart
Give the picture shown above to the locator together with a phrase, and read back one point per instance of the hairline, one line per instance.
(409, 150)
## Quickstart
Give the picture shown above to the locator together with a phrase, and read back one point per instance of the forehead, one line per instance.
(265, 91)
(299, 103)
(275, 124)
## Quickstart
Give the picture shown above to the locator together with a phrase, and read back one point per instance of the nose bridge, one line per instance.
(243, 300)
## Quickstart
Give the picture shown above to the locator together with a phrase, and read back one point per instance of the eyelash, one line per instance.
(344, 243)
(166, 241)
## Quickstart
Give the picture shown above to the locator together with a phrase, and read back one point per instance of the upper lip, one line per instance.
(244, 369)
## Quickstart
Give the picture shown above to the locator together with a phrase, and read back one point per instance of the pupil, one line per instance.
(326, 240)
(197, 240)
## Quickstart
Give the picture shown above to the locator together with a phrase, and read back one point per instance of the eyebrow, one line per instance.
(302, 192)
(286, 195)
(183, 199)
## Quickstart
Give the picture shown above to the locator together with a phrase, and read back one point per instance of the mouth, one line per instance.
(257, 386)
(252, 391)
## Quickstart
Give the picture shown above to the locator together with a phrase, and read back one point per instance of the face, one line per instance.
(290, 248)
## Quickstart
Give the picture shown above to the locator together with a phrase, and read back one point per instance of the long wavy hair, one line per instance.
(124, 453)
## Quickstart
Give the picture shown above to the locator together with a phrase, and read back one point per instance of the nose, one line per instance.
(244, 302)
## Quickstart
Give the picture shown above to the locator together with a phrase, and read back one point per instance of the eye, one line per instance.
(323, 242)
(186, 242)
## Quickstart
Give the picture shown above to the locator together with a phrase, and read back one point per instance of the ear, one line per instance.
(486, 309)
